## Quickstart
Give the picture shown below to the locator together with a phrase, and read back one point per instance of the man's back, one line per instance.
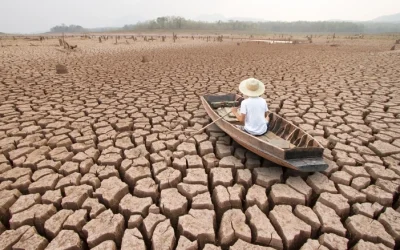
(254, 108)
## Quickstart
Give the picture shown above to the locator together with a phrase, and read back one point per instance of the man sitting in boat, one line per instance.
(254, 109)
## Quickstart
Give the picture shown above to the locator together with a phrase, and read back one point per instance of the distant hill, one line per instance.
(210, 18)
(218, 17)
(247, 19)
(180, 23)
(395, 18)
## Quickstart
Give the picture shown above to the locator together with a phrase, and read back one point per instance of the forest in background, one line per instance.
(180, 23)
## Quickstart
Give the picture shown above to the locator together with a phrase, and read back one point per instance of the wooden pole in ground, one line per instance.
(195, 133)
(198, 131)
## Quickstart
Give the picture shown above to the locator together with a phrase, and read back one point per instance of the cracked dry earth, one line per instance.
(96, 158)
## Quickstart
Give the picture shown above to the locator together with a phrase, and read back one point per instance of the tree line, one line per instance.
(300, 26)
(67, 29)
(180, 23)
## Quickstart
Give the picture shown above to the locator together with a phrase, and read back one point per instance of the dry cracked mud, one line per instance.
(97, 158)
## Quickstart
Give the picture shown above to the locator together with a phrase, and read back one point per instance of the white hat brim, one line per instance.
(245, 91)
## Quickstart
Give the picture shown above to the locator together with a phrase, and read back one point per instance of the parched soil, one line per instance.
(95, 156)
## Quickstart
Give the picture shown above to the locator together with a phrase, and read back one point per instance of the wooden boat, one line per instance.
(284, 143)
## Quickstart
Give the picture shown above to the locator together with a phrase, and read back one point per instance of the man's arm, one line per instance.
(266, 112)
(267, 116)
(240, 117)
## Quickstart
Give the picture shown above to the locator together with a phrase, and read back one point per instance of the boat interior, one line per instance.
(281, 133)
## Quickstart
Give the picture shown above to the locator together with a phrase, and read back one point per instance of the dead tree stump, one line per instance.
(144, 59)
(61, 69)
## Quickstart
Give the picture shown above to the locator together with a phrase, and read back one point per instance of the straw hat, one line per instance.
(252, 87)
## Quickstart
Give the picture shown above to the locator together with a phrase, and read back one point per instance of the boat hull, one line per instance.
(263, 149)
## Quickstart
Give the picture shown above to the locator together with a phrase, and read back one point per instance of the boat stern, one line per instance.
(308, 164)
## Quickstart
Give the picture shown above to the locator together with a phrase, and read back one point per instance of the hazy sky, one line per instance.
(26, 16)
